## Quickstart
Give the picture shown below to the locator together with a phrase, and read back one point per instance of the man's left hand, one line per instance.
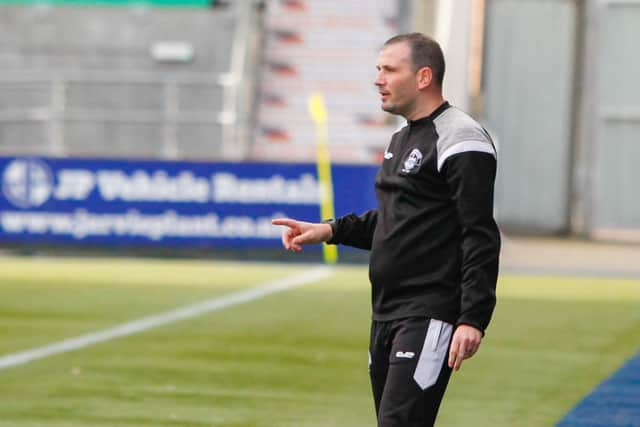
(465, 343)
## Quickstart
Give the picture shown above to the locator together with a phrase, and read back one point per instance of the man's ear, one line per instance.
(425, 77)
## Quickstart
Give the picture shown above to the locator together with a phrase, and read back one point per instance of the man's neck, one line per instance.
(427, 107)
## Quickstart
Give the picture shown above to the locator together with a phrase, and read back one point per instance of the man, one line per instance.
(433, 240)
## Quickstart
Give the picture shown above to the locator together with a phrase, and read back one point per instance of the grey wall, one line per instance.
(528, 89)
(611, 121)
(562, 96)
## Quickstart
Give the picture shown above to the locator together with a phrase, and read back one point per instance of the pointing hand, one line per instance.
(300, 233)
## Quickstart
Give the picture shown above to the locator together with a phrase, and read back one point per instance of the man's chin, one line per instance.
(388, 108)
(391, 109)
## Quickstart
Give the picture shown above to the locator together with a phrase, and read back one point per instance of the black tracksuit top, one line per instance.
(433, 240)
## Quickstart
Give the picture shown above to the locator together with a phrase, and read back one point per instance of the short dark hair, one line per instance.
(425, 52)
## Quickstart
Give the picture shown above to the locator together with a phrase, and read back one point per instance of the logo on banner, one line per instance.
(27, 183)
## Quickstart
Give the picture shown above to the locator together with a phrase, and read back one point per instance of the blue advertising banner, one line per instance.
(165, 203)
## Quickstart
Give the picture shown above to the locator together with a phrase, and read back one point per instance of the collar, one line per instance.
(431, 116)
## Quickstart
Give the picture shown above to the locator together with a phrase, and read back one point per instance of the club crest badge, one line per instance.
(413, 161)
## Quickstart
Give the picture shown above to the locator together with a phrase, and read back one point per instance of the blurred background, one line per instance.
(182, 127)
(189, 117)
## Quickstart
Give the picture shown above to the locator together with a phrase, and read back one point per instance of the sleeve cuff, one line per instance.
(334, 231)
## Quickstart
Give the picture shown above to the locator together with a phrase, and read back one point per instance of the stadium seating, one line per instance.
(86, 81)
(327, 46)
(101, 81)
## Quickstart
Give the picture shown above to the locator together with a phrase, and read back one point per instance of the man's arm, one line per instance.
(355, 230)
(471, 176)
(351, 230)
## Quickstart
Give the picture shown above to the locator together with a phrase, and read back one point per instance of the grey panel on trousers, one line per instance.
(528, 72)
(24, 134)
(24, 95)
(108, 96)
(199, 141)
(114, 139)
(197, 97)
(615, 200)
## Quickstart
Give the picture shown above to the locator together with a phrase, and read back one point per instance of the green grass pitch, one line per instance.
(296, 358)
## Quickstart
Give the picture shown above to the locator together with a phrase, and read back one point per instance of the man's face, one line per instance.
(396, 80)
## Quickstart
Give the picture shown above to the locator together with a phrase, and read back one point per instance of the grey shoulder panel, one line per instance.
(459, 133)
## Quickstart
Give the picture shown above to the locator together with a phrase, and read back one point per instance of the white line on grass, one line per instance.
(154, 321)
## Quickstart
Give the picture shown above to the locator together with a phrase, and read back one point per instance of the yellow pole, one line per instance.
(323, 162)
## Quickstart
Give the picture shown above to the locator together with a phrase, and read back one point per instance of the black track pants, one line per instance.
(408, 369)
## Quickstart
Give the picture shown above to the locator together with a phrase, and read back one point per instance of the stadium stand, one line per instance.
(120, 79)
(131, 82)
(330, 47)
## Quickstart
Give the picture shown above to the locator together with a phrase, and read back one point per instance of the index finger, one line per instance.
(458, 362)
(284, 221)
(455, 356)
